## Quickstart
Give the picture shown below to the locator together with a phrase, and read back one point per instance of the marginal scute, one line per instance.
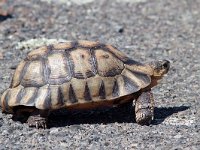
(72, 95)
(4, 101)
(115, 90)
(94, 85)
(64, 88)
(27, 99)
(62, 46)
(42, 100)
(120, 83)
(102, 92)
(13, 93)
(88, 44)
(37, 53)
(56, 97)
(87, 95)
(79, 89)
(108, 85)
(29, 96)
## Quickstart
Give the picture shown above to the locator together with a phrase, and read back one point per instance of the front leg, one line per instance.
(144, 108)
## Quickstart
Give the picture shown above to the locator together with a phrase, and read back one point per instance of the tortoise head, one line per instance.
(159, 68)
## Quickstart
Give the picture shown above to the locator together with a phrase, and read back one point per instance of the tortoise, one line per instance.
(80, 75)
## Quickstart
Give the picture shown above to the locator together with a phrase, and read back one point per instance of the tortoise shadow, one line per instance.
(3, 18)
(122, 114)
(160, 114)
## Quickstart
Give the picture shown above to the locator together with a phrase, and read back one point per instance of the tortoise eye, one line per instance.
(166, 64)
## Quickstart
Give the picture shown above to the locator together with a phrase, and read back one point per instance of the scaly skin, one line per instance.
(144, 108)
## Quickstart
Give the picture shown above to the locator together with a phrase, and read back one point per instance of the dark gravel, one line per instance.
(145, 31)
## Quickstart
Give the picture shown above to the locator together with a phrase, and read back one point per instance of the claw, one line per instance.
(36, 125)
(44, 126)
(37, 122)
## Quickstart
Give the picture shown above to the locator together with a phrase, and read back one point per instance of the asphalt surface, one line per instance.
(145, 30)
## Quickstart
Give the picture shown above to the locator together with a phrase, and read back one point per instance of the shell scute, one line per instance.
(58, 68)
(107, 64)
(33, 74)
(83, 64)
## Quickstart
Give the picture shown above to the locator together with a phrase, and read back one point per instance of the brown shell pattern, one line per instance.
(68, 73)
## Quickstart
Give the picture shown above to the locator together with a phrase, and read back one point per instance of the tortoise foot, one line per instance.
(144, 108)
(144, 117)
(37, 122)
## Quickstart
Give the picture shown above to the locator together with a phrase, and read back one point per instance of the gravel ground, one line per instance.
(143, 29)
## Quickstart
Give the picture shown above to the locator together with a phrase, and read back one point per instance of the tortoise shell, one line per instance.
(74, 74)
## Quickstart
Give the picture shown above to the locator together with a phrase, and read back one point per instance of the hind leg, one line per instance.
(38, 119)
(144, 108)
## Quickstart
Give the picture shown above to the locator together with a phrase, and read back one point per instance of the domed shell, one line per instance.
(73, 73)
